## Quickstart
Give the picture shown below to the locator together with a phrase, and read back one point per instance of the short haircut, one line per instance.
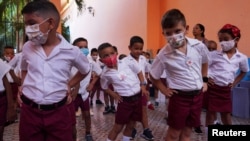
(121, 56)
(115, 48)
(80, 39)
(135, 39)
(171, 18)
(42, 8)
(93, 50)
(8, 47)
(103, 46)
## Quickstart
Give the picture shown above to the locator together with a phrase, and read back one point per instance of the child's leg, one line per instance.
(117, 128)
(210, 117)
(186, 134)
(226, 118)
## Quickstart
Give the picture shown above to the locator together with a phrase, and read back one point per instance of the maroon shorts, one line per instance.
(73, 113)
(84, 105)
(129, 110)
(14, 88)
(184, 111)
(40, 125)
(219, 99)
(205, 100)
(3, 109)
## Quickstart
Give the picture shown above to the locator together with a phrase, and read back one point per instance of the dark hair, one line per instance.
(93, 50)
(121, 56)
(42, 8)
(171, 18)
(8, 47)
(135, 39)
(115, 48)
(202, 29)
(147, 53)
(103, 46)
(80, 39)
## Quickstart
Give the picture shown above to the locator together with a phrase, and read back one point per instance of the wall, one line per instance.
(213, 15)
(114, 21)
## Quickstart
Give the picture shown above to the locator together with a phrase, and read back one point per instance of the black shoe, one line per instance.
(107, 110)
(156, 104)
(147, 135)
(88, 137)
(91, 103)
(134, 132)
(113, 109)
(98, 102)
(198, 130)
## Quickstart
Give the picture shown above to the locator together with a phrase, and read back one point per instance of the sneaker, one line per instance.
(198, 130)
(98, 101)
(113, 109)
(107, 110)
(88, 137)
(156, 104)
(151, 107)
(134, 132)
(147, 135)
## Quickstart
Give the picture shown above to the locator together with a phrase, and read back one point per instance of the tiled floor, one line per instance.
(101, 125)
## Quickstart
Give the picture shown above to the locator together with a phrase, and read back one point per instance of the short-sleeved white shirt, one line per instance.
(124, 80)
(47, 77)
(15, 63)
(223, 70)
(142, 63)
(4, 69)
(85, 82)
(183, 70)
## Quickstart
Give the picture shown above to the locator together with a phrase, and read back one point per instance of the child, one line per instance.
(212, 45)
(5, 95)
(227, 62)
(184, 61)
(97, 88)
(46, 76)
(127, 90)
(136, 57)
(82, 97)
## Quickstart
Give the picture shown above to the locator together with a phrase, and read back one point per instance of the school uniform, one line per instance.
(4, 69)
(82, 99)
(44, 90)
(183, 73)
(125, 83)
(219, 95)
(144, 66)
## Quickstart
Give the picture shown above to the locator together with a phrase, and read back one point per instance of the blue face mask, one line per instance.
(85, 51)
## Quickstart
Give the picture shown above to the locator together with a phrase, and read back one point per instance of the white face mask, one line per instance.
(176, 40)
(227, 45)
(94, 57)
(35, 34)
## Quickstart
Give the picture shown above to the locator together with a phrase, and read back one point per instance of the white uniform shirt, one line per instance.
(47, 77)
(15, 63)
(85, 82)
(124, 80)
(223, 70)
(183, 70)
(142, 63)
(4, 69)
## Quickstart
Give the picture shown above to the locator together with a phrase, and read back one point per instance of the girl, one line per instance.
(226, 62)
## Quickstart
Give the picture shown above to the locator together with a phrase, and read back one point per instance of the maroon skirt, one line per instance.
(219, 98)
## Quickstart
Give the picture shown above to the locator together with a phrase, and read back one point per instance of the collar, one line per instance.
(237, 53)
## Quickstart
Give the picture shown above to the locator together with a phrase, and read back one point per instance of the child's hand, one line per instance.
(90, 87)
(19, 100)
(204, 88)
(118, 98)
(169, 92)
(210, 82)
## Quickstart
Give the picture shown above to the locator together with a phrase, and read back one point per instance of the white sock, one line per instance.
(206, 131)
(148, 102)
(108, 139)
(125, 138)
(157, 100)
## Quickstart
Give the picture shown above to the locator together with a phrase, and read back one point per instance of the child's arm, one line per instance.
(238, 78)
(115, 95)
(164, 90)
(204, 70)
(142, 84)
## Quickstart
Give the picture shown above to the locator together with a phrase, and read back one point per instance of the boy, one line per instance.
(127, 90)
(82, 97)
(185, 63)
(46, 68)
(5, 95)
(136, 57)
